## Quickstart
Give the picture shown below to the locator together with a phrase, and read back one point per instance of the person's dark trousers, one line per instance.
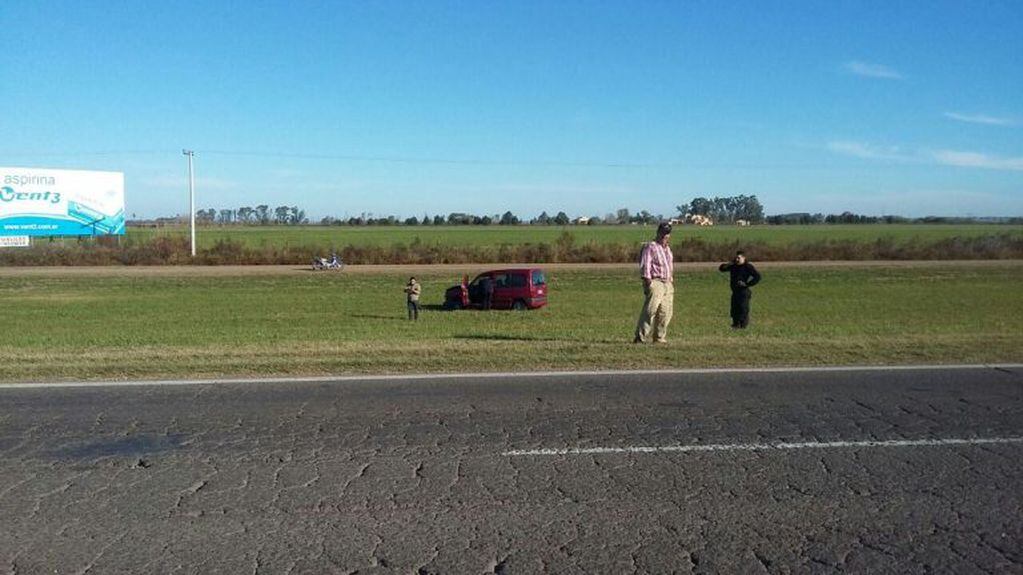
(413, 310)
(740, 307)
(486, 301)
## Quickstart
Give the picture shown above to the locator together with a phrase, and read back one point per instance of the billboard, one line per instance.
(44, 202)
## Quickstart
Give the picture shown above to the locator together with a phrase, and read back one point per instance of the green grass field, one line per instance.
(134, 325)
(324, 237)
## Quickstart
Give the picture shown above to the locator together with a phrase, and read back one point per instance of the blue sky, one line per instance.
(913, 108)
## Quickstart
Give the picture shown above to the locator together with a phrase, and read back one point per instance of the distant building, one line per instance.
(698, 220)
(581, 221)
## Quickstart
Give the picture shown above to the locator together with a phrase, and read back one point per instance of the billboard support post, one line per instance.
(191, 198)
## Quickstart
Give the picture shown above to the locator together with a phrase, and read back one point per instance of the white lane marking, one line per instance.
(507, 375)
(764, 446)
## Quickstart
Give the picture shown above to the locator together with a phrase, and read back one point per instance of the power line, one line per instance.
(542, 163)
(51, 154)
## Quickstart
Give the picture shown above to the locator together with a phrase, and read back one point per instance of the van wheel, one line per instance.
(519, 305)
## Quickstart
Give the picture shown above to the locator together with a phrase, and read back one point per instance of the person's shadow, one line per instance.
(401, 316)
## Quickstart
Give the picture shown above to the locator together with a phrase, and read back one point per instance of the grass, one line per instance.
(138, 326)
(325, 237)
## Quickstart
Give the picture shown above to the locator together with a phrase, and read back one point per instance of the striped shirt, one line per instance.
(656, 262)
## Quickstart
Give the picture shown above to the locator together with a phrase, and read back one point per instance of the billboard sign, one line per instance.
(44, 202)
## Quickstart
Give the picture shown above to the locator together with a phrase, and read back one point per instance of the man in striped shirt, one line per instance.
(657, 269)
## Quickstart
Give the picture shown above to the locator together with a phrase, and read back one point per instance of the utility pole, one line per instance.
(191, 197)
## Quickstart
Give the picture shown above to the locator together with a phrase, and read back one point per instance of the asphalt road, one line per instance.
(881, 471)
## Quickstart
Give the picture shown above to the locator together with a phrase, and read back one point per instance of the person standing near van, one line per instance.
(487, 287)
(743, 277)
(657, 268)
(412, 291)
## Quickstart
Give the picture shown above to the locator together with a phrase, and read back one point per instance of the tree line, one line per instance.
(621, 216)
(261, 215)
(727, 210)
(720, 210)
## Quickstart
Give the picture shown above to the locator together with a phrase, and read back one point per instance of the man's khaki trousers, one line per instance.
(656, 314)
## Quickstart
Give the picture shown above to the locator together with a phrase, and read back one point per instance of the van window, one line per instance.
(516, 280)
(538, 279)
(500, 281)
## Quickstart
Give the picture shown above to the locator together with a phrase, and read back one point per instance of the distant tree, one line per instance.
(459, 219)
(543, 219)
(851, 218)
(799, 218)
(412, 221)
(486, 220)
(622, 216)
(205, 216)
(509, 219)
(697, 207)
(296, 216)
(245, 214)
(725, 210)
(262, 214)
(748, 208)
(426, 219)
(438, 220)
(562, 219)
(644, 217)
(281, 214)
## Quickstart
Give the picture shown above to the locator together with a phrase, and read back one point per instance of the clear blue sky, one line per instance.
(913, 108)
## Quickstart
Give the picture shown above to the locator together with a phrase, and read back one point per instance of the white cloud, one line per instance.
(980, 119)
(868, 151)
(958, 158)
(872, 70)
(977, 160)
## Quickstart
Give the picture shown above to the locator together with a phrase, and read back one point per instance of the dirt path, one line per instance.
(453, 269)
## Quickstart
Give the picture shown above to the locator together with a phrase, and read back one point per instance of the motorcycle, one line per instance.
(334, 263)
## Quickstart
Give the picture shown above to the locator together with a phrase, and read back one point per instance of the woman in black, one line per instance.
(743, 277)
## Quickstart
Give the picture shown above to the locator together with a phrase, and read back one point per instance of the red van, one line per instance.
(518, 289)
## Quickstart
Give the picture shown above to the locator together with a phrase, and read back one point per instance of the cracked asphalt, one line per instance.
(411, 476)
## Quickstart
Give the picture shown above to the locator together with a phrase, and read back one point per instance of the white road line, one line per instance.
(763, 446)
(504, 375)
